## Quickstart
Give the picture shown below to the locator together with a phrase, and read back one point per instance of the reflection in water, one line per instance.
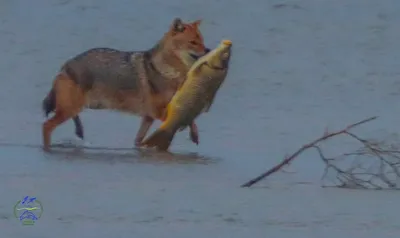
(130, 155)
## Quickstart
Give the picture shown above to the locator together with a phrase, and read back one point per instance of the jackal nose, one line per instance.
(206, 50)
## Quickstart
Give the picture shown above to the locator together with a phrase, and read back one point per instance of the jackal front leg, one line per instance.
(194, 133)
(144, 128)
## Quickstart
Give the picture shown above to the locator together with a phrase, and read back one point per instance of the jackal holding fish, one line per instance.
(137, 82)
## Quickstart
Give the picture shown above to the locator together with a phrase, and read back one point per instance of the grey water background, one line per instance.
(298, 67)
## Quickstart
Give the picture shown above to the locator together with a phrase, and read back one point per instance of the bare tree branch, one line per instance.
(313, 144)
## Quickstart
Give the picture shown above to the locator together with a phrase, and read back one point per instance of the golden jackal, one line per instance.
(137, 82)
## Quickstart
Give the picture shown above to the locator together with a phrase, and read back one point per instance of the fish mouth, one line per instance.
(195, 57)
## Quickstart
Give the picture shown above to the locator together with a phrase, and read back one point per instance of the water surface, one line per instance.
(298, 67)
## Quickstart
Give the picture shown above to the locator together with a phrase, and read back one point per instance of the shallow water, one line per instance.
(298, 67)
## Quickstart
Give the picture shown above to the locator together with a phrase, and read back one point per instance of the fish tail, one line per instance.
(161, 139)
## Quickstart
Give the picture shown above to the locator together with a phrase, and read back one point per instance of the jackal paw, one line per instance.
(46, 148)
(138, 142)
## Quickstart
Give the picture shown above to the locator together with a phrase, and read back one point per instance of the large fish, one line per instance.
(194, 97)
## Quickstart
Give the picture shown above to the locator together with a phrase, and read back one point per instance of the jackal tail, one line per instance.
(49, 102)
(160, 139)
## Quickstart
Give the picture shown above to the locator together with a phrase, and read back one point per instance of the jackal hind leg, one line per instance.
(49, 126)
(69, 103)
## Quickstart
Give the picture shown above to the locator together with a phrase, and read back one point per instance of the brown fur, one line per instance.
(138, 82)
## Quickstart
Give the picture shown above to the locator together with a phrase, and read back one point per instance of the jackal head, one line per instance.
(186, 41)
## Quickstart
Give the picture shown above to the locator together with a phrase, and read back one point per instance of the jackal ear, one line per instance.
(197, 23)
(177, 25)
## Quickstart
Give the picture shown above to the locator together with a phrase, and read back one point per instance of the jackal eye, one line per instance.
(193, 42)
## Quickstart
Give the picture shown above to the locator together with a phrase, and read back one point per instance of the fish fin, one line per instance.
(161, 139)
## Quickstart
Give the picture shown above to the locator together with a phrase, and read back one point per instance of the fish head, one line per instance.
(218, 58)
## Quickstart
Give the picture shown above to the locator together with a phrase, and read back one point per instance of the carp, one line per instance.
(194, 97)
